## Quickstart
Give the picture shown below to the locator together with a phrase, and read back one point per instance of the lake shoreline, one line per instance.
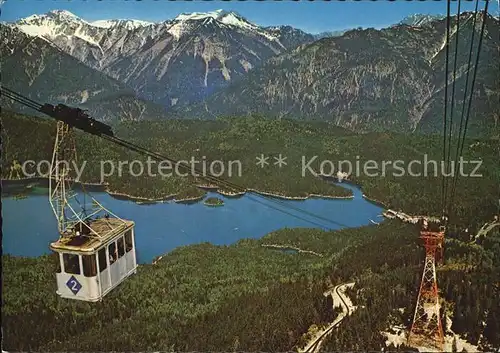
(301, 198)
(190, 200)
(366, 197)
(45, 181)
(375, 202)
(291, 247)
(353, 200)
(104, 187)
(128, 197)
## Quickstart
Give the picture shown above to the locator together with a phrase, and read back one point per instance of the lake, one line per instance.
(29, 225)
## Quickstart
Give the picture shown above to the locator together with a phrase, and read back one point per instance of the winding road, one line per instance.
(338, 297)
(485, 229)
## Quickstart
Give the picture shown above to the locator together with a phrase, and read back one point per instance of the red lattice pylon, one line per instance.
(426, 329)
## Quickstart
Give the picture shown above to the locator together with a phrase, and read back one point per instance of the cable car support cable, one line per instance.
(460, 145)
(450, 132)
(445, 119)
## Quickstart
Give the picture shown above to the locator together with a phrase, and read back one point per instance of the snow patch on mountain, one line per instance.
(82, 35)
(61, 22)
(129, 24)
(178, 29)
(233, 20)
(104, 23)
(64, 14)
(36, 30)
(199, 15)
(418, 20)
(223, 18)
(228, 18)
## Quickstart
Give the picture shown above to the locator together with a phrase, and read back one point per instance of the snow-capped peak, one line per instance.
(419, 19)
(63, 13)
(217, 14)
(129, 24)
(225, 17)
(49, 24)
(54, 16)
(198, 15)
(59, 25)
(181, 24)
(57, 16)
(234, 19)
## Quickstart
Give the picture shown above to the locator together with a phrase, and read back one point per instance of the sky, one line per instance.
(310, 16)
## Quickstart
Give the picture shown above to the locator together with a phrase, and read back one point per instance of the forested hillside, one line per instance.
(249, 298)
(387, 288)
(363, 104)
(243, 139)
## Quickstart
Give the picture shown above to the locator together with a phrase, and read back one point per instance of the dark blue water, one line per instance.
(29, 224)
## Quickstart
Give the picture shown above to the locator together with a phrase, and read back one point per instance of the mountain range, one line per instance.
(41, 71)
(365, 80)
(176, 61)
(417, 20)
(218, 63)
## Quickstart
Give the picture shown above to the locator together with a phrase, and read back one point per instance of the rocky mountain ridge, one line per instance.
(41, 71)
(389, 79)
(175, 61)
(205, 65)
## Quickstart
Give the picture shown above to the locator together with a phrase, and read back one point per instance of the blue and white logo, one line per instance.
(74, 285)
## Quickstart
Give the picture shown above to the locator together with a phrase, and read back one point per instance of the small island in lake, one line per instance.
(213, 201)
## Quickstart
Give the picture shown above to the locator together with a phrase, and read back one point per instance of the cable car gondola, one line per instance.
(96, 248)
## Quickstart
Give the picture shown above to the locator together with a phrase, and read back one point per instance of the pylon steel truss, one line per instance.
(427, 329)
(68, 209)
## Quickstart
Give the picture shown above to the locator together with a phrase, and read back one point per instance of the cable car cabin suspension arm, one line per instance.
(73, 117)
(77, 118)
